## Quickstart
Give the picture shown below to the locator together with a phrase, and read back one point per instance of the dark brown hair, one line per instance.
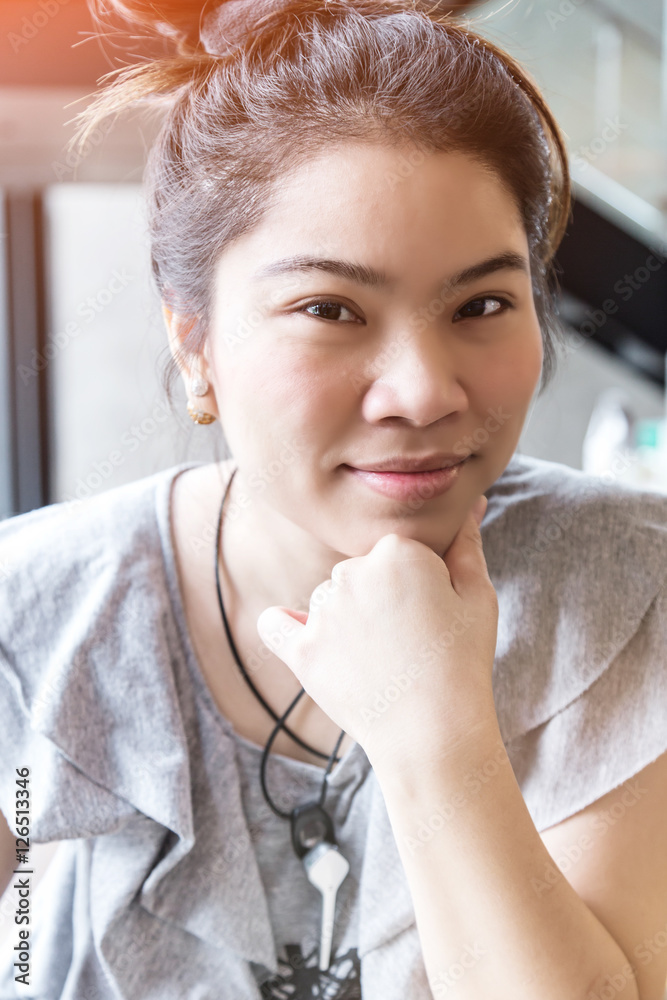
(305, 78)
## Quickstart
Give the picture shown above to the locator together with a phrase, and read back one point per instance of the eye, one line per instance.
(330, 310)
(479, 308)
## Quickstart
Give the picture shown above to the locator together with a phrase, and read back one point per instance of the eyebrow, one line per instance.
(508, 260)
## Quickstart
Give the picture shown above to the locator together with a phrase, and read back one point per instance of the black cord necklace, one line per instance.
(263, 702)
(311, 825)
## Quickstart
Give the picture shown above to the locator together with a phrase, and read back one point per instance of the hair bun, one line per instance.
(228, 23)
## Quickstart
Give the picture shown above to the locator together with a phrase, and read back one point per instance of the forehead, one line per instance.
(363, 177)
(388, 206)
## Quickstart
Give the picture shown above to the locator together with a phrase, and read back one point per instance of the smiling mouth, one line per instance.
(424, 484)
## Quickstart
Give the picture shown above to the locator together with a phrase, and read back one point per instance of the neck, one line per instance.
(270, 560)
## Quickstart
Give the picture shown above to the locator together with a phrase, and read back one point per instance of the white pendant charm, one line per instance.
(326, 869)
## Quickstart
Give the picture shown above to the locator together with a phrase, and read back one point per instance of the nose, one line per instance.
(415, 378)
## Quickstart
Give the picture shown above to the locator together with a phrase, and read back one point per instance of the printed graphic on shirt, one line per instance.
(299, 977)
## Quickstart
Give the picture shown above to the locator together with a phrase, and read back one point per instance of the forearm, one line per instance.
(473, 860)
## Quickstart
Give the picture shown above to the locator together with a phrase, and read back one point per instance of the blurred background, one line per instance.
(82, 341)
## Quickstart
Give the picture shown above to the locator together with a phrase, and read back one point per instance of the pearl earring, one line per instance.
(198, 386)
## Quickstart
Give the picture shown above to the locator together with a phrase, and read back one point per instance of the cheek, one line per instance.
(511, 373)
(504, 388)
(275, 393)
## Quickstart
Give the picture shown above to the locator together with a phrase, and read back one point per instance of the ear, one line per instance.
(192, 365)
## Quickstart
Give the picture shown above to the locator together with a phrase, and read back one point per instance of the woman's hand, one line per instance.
(398, 646)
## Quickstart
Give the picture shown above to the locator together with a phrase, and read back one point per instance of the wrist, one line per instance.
(449, 744)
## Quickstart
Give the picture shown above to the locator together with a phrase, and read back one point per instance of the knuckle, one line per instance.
(492, 597)
(340, 571)
(392, 542)
(320, 594)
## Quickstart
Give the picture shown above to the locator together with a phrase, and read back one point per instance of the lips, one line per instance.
(411, 487)
(424, 463)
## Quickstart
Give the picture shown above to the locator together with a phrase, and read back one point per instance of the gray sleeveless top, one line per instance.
(174, 878)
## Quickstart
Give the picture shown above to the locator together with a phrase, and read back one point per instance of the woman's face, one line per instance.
(422, 338)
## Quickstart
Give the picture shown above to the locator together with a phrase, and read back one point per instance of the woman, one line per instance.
(354, 208)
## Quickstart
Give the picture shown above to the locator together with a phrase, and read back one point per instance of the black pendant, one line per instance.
(310, 826)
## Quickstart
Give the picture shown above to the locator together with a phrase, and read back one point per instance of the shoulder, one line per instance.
(577, 562)
(73, 573)
(88, 653)
(59, 548)
(534, 485)
(69, 532)
(549, 517)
